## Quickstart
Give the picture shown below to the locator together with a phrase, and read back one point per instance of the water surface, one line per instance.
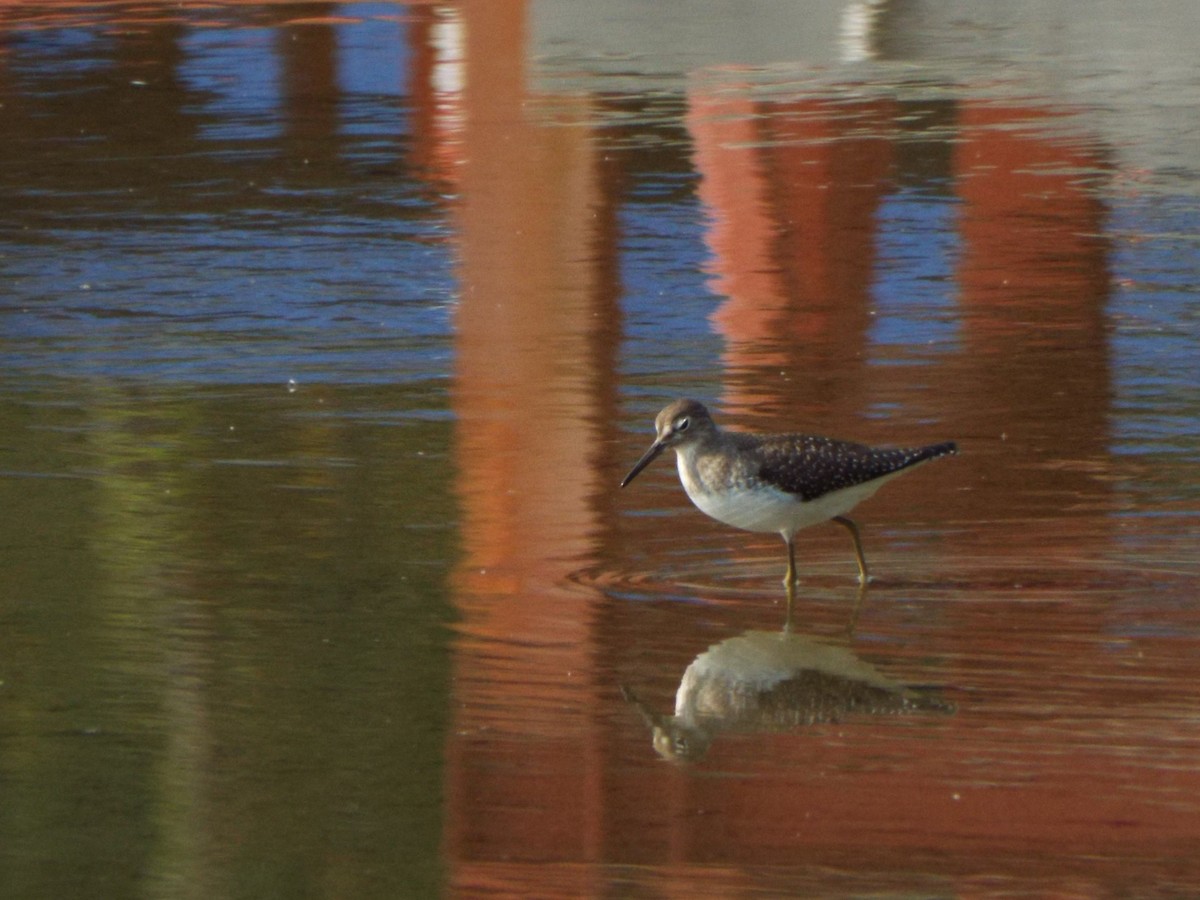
(329, 329)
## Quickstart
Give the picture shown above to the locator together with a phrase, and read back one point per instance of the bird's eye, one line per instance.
(682, 424)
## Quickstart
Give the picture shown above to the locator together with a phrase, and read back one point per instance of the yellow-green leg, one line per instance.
(863, 577)
(858, 602)
(789, 579)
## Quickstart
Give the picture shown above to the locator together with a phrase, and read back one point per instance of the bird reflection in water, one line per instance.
(773, 681)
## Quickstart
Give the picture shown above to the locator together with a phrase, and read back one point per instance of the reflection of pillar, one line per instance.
(527, 385)
(741, 230)
(1033, 278)
(792, 190)
(136, 119)
(309, 56)
(523, 386)
(433, 85)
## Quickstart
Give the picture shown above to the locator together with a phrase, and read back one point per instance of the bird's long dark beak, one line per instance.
(649, 716)
(648, 457)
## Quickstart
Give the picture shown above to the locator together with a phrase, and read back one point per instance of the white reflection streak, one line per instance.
(858, 29)
(448, 37)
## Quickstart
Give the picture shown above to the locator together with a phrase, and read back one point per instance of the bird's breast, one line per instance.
(721, 491)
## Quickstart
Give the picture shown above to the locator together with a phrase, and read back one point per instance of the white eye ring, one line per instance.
(682, 424)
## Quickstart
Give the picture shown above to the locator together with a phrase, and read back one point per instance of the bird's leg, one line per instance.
(863, 577)
(789, 580)
(858, 601)
(791, 604)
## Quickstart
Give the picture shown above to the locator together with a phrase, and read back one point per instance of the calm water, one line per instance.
(329, 329)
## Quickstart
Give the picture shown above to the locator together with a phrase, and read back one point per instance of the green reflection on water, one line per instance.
(224, 656)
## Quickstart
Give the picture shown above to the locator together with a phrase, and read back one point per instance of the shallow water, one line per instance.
(329, 330)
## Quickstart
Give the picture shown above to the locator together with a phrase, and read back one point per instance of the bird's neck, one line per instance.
(701, 460)
(709, 441)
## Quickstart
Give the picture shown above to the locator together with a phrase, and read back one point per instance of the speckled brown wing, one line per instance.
(811, 467)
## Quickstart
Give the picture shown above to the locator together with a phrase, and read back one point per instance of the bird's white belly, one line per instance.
(764, 508)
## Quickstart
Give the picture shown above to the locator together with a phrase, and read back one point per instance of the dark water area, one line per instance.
(329, 330)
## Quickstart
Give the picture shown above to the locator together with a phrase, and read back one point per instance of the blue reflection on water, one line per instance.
(666, 299)
(914, 287)
(252, 306)
(1156, 335)
(256, 269)
(238, 75)
(74, 51)
(374, 57)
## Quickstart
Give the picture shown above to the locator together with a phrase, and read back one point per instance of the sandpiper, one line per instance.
(776, 482)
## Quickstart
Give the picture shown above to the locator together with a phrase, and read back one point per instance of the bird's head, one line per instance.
(679, 423)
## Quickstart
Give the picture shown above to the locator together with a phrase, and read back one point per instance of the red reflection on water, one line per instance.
(794, 188)
(533, 387)
(1072, 756)
(1032, 778)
